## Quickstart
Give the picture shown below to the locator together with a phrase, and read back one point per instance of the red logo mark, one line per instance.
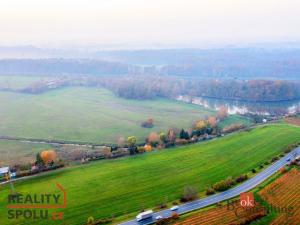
(57, 215)
(247, 199)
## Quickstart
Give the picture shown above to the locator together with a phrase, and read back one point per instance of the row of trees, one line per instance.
(45, 158)
(200, 128)
(141, 87)
(44, 85)
(44, 161)
(224, 185)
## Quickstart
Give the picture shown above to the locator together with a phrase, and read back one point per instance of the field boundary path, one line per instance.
(53, 142)
(213, 199)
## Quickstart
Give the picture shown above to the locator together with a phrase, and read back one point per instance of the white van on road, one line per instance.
(144, 215)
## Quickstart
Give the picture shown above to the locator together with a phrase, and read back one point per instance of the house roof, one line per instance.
(4, 170)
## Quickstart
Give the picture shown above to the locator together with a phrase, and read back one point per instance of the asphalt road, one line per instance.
(213, 199)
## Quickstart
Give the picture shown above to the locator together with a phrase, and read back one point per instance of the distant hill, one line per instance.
(61, 67)
(236, 63)
(244, 63)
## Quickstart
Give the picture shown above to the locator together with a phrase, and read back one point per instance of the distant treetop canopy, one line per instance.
(142, 87)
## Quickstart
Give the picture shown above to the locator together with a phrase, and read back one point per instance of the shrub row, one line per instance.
(241, 178)
(233, 127)
(101, 221)
(32, 172)
(290, 147)
(168, 220)
(251, 218)
(224, 185)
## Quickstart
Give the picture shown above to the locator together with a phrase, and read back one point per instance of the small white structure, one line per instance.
(264, 120)
(4, 170)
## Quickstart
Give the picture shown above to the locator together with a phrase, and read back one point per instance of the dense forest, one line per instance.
(150, 87)
(243, 63)
(230, 73)
(137, 87)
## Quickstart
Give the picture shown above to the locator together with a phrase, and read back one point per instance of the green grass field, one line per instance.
(121, 186)
(14, 152)
(235, 119)
(18, 82)
(90, 115)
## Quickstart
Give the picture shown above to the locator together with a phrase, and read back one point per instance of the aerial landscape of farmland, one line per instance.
(164, 112)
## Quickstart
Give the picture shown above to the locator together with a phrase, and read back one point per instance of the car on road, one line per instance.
(176, 207)
(288, 159)
(158, 217)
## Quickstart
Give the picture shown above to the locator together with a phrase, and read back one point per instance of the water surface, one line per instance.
(243, 107)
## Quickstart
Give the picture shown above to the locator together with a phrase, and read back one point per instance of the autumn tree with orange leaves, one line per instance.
(48, 156)
(153, 139)
(171, 136)
(222, 112)
(212, 121)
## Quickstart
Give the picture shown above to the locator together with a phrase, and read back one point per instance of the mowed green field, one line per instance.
(235, 119)
(90, 115)
(116, 187)
(18, 82)
(15, 152)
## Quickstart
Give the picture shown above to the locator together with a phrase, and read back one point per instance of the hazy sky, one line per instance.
(147, 22)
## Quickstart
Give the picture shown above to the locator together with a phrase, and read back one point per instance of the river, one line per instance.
(243, 107)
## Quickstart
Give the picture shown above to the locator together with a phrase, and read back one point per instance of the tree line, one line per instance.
(149, 87)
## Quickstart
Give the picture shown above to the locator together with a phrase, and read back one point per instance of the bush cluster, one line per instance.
(103, 221)
(168, 220)
(223, 185)
(189, 193)
(274, 159)
(233, 127)
(29, 172)
(290, 147)
(210, 191)
(250, 218)
(148, 123)
(241, 178)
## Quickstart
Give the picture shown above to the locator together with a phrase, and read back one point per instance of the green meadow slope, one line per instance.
(15, 152)
(90, 115)
(235, 119)
(18, 82)
(117, 187)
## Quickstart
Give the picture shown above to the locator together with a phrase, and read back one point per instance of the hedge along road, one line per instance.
(201, 203)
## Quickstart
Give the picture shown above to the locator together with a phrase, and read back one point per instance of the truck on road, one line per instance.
(144, 215)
